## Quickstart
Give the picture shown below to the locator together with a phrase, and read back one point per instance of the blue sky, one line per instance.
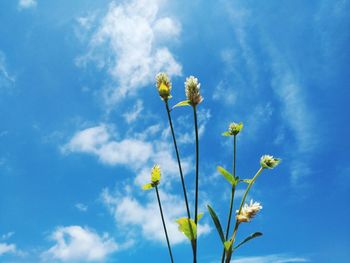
(82, 124)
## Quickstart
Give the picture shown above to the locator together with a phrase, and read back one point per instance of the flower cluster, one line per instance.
(248, 211)
(163, 85)
(269, 162)
(235, 128)
(192, 87)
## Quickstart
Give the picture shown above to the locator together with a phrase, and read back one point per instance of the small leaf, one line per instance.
(182, 103)
(248, 181)
(217, 223)
(226, 134)
(184, 227)
(252, 236)
(228, 176)
(199, 216)
(228, 245)
(147, 186)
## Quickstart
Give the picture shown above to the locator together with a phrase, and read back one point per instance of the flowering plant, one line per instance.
(244, 214)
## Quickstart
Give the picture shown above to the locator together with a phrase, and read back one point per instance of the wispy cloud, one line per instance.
(6, 79)
(23, 4)
(76, 243)
(285, 84)
(134, 113)
(129, 44)
(6, 248)
(275, 258)
(81, 207)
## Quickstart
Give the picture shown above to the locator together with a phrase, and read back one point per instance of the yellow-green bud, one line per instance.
(155, 174)
(163, 85)
(235, 128)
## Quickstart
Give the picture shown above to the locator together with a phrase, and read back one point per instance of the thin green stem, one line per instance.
(232, 197)
(197, 164)
(181, 173)
(229, 254)
(165, 231)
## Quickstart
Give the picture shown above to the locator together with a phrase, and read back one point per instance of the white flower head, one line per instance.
(269, 162)
(248, 211)
(192, 89)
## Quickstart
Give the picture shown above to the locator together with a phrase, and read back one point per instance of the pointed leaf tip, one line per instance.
(252, 236)
(182, 103)
(216, 223)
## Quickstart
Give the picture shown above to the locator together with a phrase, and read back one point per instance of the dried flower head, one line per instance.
(192, 87)
(248, 211)
(163, 85)
(268, 161)
(235, 128)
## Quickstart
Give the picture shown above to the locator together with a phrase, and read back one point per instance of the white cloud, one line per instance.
(22, 4)
(81, 207)
(139, 154)
(132, 115)
(75, 243)
(6, 79)
(98, 141)
(7, 248)
(128, 43)
(7, 235)
(270, 259)
(133, 216)
(224, 92)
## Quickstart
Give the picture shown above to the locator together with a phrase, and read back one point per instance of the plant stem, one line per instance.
(181, 176)
(166, 233)
(197, 164)
(228, 258)
(232, 196)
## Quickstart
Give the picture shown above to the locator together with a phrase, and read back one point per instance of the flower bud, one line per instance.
(155, 174)
(192, 89)
(163, 85)
(235, 128)
(269, 162)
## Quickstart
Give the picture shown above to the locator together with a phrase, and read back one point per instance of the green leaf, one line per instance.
(147, 186)
(184, 227)
(226, 134)
(217, 223)
(182, 103)
(252, 236)
(199, 216)
(228, 245)
(228, 176)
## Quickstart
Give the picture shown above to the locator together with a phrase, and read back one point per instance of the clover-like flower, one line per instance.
(192, 89)
(163, 85)
(269, 162)
(248, 211)
(235, 128)
(155, 178)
